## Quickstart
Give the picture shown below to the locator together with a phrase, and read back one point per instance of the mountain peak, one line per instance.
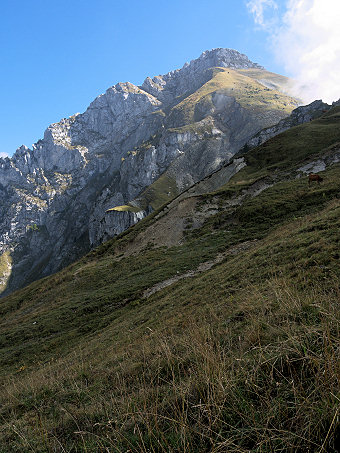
(194, 73)
(226, 58)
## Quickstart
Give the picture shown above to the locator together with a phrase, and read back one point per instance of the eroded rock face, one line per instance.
(54, 197)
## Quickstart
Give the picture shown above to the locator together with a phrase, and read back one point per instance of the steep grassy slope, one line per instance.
(300, 143)
(272, 80)
(240, 357)
(241, 85)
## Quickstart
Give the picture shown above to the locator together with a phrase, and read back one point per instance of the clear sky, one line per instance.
(57, 56)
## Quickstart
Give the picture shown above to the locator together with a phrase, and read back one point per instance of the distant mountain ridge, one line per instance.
(134, 148)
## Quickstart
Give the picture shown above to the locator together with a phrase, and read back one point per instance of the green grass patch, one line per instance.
(247, 91)
(295, 145)
(158, 193)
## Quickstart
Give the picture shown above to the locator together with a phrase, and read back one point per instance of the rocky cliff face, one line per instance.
(95, 174)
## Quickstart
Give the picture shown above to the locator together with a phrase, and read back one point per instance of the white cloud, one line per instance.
(307, 43)
(258, 9)
(4, 155)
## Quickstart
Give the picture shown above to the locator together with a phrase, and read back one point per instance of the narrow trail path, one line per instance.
(203, 267)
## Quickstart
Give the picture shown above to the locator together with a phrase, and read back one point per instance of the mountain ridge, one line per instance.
(129, 148)
(220, 56)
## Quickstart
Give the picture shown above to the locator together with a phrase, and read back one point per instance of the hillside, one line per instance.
(133, 149)
(210, 326)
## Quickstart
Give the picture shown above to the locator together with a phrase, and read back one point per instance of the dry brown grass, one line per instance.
(241, 358)
(257, 371)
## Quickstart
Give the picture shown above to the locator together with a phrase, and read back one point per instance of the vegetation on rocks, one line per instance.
(239, 84)
(159, 192)
(5, 268)
(124, 208)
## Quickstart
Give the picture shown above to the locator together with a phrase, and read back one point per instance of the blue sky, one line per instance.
(57, 56)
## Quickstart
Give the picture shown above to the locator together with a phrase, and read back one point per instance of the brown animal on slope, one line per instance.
(314, 177)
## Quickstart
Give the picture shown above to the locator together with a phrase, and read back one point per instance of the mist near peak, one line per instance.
(306, 40)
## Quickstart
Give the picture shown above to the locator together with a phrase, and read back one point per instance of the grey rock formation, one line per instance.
(132, 147)
(302, 114)
(195, 73)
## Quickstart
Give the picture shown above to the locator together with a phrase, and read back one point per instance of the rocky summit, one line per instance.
(95, 174)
